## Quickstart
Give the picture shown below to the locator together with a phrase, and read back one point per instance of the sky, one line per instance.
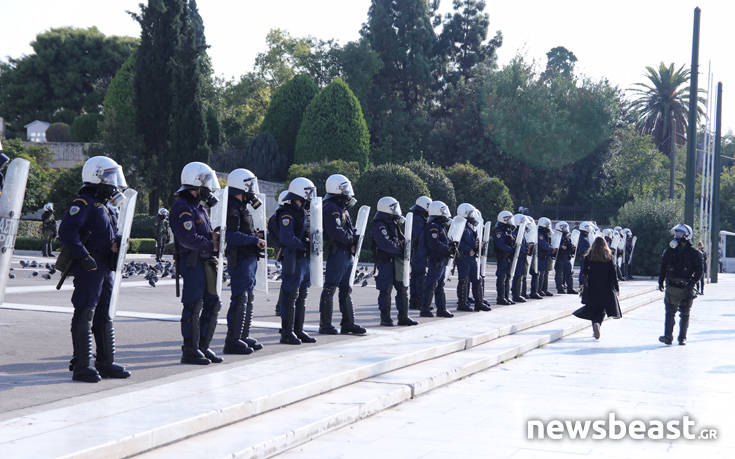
(615, 40)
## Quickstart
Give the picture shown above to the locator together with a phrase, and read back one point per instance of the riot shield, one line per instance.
(456, 228)
(480, 230)
(632, 250)
(360, 227)
(316, 249)
(623, 246)
(615, 246)
(486, 232)
(218, 218)
(555, 243)
(408, 234)
(532, 238)
(519, 240)
(591, 236)
(11, 203)
(124, 224)
(260, 223)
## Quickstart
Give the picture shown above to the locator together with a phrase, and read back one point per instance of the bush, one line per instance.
(65, 189)
(58, 132)
(491, 196)
(440, 187)
(84, 127)
(333, 128)
(389, 180)
(465, 177)
(286, 110)
(651, 220)
(29, 229)
(144, 226)
(34, 243)
(142, 245)
(318, 172)
(263, 158)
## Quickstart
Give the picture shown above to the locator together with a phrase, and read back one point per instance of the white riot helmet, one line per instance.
(544, 222)
(163, 212)
(607, 232)
(628, 232)
(101, 170)
(562, 226)
(682, 231)
(468, 211)
(505, 217)
(389, 205)
(586, 227)
(49, 206)
(199, 176)
(339, 185)
(423, 202)
(242, 181)
(439, 209)
(282, 197)
(301, 188)
(518, 219)
(618, 229)
(530, 221)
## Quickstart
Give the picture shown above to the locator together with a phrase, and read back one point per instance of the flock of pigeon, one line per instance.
(154, 272)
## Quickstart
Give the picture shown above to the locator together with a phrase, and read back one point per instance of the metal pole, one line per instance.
(714, 256)
(692, 128)
(702, 196)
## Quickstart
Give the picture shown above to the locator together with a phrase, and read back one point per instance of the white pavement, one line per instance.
(627, 372)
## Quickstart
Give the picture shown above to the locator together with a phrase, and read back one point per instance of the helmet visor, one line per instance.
(396, 208)
(346, 189)
(114, 176)
(209, 180)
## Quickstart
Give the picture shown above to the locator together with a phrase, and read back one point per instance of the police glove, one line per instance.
(88, 263)
(661, 286)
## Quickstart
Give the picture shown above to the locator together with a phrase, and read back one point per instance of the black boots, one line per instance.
(683, 325)
(477, 292)
(245, 335)
(190, 352)
(535, 287)
(348, 325)
(299, 315)
(81, 340)
(669, 320)
(278, 304)
(441, 303)
(326, 305)
(402, 306)
(104, 335)
(516, 290)
(426, 305)
(208, 333)
(463, 293)
(384, 307)
(288, 315)
(235, 324)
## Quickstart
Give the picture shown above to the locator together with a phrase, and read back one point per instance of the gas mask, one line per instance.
(206, 196)
(252, 199)
(116, 199)
(350, 201)
(674, 243)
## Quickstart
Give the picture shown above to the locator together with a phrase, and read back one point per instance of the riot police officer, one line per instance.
(607, 234)
(388, 248)
(89, 232)
(340, 242)
(273, 241)
(438, 250)
(584, 244)
(520, 273)
(618, 253)
(163, 230)
(564, 257)
(418, 253)
(627, 273)
(48, 229)
(533, 270)
(196, 248)
(467, 253)
(504, 244)
(681, 268)
(244, 248)
(545, 252)
(294, 241)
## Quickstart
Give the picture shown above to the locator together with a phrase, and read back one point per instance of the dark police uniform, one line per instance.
(563, 267)
(627, 272)
(48, 229)
(418, 257)
(95, 222)
(681, 268)
(388, 241)
(583, 247)
(437, 245)
(193, 237)
(504, 244)
(162, 235)
(467, 271)
(545, 251)
(293, 239)
(519, 276)
(242, 265)
(340, 238)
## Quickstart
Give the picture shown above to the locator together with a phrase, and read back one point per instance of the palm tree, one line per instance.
(661, 109)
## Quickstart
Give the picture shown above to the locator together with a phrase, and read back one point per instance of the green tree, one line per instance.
(286, 111)
(65, 188)
(727, 199)
(333, 127)
(283, 58)
(490, 197)
(390, 180)
(661, 108)
(559, 62)
(58, 132)
(242, 108)
(39, 175)
(465, 177)
(264, 159)
(440, 187)
(66, 74)
(84, 127)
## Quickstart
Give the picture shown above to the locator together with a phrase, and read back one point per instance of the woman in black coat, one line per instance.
(600, 294)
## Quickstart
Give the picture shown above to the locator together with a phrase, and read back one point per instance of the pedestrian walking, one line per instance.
(599, 286)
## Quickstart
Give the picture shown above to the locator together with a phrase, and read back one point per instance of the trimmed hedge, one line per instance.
(318, 172)
(440, 187)
(389, 180)
(465, 177)
(58, 132)
(333, 128)
(491, 196)
(651, 220)
(33, 243)
(144, 226)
